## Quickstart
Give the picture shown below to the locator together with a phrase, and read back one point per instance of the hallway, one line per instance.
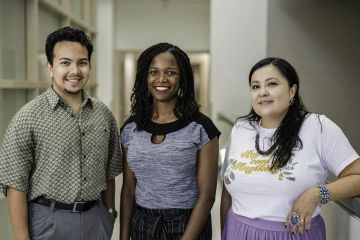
(222, 40)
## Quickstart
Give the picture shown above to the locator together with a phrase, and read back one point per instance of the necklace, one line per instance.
(166, 122)
(267, 152)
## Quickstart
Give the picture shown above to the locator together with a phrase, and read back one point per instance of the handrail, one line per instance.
(350, 205)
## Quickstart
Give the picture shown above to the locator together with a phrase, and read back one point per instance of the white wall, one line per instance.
(321, 40)
(104, 51)
(140, 24)
(238, 33)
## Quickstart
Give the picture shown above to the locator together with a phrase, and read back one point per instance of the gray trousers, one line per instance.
(58, 224)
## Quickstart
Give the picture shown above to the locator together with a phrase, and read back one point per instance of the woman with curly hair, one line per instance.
(170, 152)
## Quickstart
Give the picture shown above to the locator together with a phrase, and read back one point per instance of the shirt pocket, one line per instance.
(100, 140)
(104, 134)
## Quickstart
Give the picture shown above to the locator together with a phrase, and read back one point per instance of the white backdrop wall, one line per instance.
(140, 24)
(104, 51)
(238, 33)
(321, 40)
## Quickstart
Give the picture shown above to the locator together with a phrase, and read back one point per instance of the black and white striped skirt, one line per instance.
(163, 224)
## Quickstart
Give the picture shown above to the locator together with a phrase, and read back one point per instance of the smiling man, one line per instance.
(61, 152)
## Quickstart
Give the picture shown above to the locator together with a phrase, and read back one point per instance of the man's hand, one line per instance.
(108, 197)
(113, 216)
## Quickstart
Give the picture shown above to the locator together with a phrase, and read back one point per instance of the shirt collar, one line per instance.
(55, 100)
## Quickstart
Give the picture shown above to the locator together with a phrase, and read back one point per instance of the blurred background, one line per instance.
(223, 38)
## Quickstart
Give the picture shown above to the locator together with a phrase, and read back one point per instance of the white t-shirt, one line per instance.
(258, 193)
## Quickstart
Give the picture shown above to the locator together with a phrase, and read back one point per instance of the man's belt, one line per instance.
(75, 207)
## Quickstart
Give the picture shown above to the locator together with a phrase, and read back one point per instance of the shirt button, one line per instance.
(72, 115)
(105, 130)
(84, 156)
(84, 178)
(83, 134)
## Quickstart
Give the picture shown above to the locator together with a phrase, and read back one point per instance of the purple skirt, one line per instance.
(242, 228)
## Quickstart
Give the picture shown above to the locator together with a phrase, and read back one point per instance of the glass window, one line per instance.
(77, 8)
(10, 102)
(48, 22)
(12, 40)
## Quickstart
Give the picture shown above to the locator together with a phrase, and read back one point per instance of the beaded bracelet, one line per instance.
(324, 193)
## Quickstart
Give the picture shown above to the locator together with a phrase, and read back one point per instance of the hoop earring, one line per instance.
(292, 101)
(180, 92)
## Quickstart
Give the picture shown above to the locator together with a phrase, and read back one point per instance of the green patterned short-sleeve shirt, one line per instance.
(48, 151)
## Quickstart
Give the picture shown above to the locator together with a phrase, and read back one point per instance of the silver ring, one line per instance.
(295, 219)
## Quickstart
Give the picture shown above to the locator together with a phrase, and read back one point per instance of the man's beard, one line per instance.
(72, 92)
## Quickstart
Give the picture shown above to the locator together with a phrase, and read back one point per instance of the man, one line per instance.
(61, 152)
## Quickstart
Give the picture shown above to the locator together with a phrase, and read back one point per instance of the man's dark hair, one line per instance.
(286, 137)
(66, 34)
(186, 107)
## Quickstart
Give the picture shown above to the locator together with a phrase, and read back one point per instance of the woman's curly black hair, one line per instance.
(286, 137)
(66, 34)
(186, 107)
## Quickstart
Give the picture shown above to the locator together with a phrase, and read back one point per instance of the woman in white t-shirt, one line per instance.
(277, 160)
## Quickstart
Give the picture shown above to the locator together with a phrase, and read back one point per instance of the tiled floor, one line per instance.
(215, 213)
